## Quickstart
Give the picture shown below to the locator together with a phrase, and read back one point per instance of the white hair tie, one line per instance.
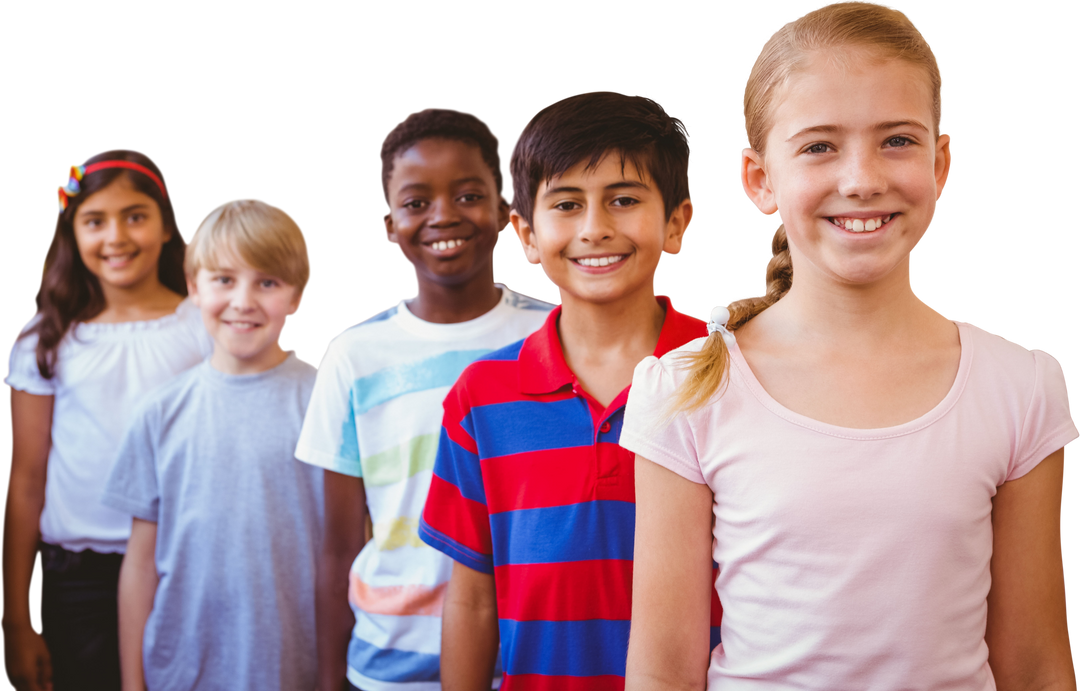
(718, 320)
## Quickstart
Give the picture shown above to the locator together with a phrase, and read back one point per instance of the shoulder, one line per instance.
(352, 344)
(26, 342)
(300, 373)
(1005, 362)
(664, 374)
(493, 376)
(524, 302)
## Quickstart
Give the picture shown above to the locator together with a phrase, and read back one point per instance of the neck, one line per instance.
(820, 307)
(451, 304)
(591, 332)
(149, 299)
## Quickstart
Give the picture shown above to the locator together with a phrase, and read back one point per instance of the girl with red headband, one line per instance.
(111, 324)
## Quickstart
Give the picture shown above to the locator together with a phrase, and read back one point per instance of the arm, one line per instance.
(346, 511)
(25, 654)
(470, 631)
(1025, 628)
(669, 625)
(138, 583)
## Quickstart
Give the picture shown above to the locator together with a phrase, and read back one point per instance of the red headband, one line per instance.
(102, 165)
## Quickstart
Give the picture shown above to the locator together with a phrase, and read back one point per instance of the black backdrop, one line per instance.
(304, 133)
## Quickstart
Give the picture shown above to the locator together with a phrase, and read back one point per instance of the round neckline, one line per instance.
(453, 330)
(923, 421)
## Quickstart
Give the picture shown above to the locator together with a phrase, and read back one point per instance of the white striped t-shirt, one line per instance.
(376, 413)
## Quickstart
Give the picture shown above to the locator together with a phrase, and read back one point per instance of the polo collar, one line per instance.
(543, 368)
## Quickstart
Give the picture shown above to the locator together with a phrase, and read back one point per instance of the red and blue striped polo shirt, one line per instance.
(531, 485)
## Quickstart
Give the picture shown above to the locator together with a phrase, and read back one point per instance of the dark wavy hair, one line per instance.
(69, 291)
(587, 127)
(435, 123)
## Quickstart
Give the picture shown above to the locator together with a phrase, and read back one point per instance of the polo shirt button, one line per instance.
(605, 428)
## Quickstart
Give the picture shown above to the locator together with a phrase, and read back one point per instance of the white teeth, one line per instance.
(600, 261)
(861, 225)
(442, 245)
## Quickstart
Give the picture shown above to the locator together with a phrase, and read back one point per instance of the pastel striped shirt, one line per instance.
(532, 486)
(375, 413)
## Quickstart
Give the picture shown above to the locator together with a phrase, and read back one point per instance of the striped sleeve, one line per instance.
(455, 519)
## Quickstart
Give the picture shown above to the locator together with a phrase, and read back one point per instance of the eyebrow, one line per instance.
(424, 186)
(881, 126)
(126, 209)
(622, 184)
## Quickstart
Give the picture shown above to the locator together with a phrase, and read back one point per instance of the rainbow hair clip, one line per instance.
(72, 187)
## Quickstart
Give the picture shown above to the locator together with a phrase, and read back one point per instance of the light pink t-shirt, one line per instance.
(855, 558)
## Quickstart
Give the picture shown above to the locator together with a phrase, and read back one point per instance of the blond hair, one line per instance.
(262, 236)
(887, 33)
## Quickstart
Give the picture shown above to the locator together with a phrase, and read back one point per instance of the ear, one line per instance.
(526, 236)
(390, 234)
(504, 214)
(755, 181)
(676, 226)
(295, 304)
(942, 161)
(192, 291)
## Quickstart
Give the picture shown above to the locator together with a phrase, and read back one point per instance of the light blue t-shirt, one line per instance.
(209, 458)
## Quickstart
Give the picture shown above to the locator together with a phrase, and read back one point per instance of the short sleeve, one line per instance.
(23, 373)
(455, 519)
(1047, 426)
(328, 438)
(132, 486)
(651, 430)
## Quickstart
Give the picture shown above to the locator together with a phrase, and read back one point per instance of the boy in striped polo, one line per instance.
(373, 421)
(532, 496)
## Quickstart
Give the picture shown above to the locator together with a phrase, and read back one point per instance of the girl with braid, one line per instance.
(879, 486)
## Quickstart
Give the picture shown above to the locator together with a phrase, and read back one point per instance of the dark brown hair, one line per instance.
(69, 291)
(587, 127)
(435, 123)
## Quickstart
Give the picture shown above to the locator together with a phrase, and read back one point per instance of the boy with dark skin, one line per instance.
(540, 523)
(376, 404)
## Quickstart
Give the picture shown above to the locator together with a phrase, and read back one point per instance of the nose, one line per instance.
(863, 174)
(596, 224)
(444, 212)
(115, 232)
(241, 298)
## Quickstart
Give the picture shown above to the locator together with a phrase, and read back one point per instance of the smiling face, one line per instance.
(445, 211)
(599, 233)
(119, 232)
(852, 164)
(244, 311)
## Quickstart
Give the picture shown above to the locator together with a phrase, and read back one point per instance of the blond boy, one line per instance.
(217, 586)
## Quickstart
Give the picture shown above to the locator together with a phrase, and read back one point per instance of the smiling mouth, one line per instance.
(114, 259)
(598, 262)
(242, 325)
(860, 225)
(443, 245)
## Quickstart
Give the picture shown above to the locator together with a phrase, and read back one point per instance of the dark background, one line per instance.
(302, 132)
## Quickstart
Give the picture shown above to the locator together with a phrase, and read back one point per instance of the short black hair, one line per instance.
(435, 123)
(587, 127)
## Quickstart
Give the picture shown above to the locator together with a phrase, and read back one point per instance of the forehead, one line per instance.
(855, 90)
(118, 194)
(439, 161)
(613, 167)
